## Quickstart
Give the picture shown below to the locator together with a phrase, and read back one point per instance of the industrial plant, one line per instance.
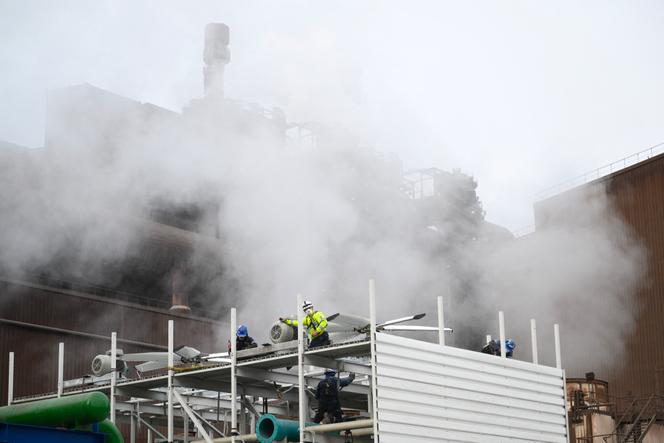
(149, 292)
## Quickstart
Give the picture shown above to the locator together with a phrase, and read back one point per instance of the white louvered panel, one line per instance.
(431, 393)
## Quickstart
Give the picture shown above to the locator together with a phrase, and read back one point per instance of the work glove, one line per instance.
(282, 320)
(351, 376)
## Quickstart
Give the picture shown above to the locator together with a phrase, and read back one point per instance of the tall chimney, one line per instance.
(179, 298)
(216, 56)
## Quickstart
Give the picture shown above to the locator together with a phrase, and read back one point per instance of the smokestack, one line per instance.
(179, 298)
(216, 56)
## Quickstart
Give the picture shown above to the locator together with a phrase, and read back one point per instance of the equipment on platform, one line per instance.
(342, 327)
(101, 364)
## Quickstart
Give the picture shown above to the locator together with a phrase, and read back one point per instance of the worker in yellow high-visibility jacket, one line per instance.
(316, 324)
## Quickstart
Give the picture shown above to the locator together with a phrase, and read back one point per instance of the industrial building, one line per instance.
(171, 267)
(628, 390)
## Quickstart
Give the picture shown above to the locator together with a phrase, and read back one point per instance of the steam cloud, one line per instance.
(320, 220)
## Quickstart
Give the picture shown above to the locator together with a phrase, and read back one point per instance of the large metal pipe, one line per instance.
(68, 412)
(270, 429)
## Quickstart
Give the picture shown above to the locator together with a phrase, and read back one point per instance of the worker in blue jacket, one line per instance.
(327, 394)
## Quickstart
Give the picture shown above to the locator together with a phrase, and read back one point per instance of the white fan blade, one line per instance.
(401, 320)
(415, 328)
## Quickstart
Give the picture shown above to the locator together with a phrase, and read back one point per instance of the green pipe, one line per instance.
(67, 412)
(270, 429)
(113, 434)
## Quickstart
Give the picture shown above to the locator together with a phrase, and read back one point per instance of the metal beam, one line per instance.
(192, 416)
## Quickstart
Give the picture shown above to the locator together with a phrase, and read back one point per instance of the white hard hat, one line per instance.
(307, 305)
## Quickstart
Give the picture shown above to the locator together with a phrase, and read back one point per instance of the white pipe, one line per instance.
(61, 368)
(132, 426)
(300, 365)
(150, 436)
(374, 388)
(488, 339)
(10, 380)
(243, 438)
(342, 426)
(441, 322)
(233, 370)
(114, 373)
(533, 339)
(556, 337)
(170, 381)
(185, 431)
(501, 325)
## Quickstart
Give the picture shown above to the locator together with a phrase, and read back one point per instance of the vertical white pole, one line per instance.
(374, 388)
(61, 367)
(533, 339)
(170, 381)
(441, 321)
(185, 418)
(10, 380)
(114, 373)
(233, 379)
(488, 338)
(150, 435)
(132, 425)
(501, 325)
(556, 337)
(300, 365)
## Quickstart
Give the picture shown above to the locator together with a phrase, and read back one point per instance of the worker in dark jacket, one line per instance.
(327, 394)
(244, 341)
(493, 348)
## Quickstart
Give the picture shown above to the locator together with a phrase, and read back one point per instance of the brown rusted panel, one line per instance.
(637, 193)
(36, 349)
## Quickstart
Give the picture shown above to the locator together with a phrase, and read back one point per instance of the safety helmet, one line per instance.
(330, 372)
(306, 305)
(242, 331)
(510, 345)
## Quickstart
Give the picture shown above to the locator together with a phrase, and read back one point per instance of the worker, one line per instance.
(493, 348)
(243, 340)
(316, 324)
(327, 394)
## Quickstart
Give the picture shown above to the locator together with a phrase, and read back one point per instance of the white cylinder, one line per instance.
(170, 382)
(61, 367)
(10, 380)
(233, 378)
(533, 339)
(501, 325)
(441, 321)
(488, 339)
(300, 365)
(374, 388)
(114, 373)
(556, 337)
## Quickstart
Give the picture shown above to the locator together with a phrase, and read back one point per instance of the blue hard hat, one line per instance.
(510, 345)
(242, 331)
(330, 372)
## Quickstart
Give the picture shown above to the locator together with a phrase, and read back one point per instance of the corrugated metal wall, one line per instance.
(431, 393)
(638, 195)
(36, 348)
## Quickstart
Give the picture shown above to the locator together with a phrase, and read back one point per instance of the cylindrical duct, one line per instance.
(69, 411)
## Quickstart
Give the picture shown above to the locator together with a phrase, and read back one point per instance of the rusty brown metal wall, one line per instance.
(36, 350)
(638, 195)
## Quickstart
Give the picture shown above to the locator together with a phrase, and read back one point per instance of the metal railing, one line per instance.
(600, 172)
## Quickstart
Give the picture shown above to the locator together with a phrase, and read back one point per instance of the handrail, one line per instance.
(598, 173)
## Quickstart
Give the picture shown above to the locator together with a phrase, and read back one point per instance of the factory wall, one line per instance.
(35, 318)
(433, 393)
(638, 195)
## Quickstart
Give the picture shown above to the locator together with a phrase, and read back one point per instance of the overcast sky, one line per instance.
(521, 95)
